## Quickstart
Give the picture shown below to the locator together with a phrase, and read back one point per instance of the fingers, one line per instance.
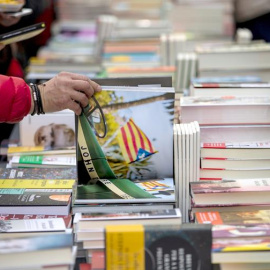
(74, 106)
(81, 83)
(80, 98)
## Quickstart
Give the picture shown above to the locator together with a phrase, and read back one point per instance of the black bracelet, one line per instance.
(34, 95)
(39, 101)
(38, 107)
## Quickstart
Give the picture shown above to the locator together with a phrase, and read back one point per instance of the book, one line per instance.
(134, 149)
(240, 191)
(235, 133)
(128, 149)
(229, 89)
(234, 217)
(235, 163)
(223, 174)
(158, 245)
(154, 191)
(67, 218)
(244, 231)
(10, 6)
(120, 207)
(32, 225)
(38, 173)
(37, 130)
(242, 150)
(89, 227)
(22, 33)
(233, 56)
(40, 161)
(39, 150)
(35, 201)
(37, 183)
(225, 110)
(36, 251)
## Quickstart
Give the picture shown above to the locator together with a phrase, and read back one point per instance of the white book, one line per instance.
(176, 162)
(183, 153)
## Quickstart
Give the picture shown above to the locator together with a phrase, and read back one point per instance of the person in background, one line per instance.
(255, 16)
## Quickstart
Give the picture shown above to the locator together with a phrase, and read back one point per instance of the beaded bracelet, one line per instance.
(34, 95)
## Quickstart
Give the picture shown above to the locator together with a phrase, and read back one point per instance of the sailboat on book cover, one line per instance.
(130, 139)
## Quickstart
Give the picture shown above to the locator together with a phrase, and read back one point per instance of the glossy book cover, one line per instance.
(134, 128)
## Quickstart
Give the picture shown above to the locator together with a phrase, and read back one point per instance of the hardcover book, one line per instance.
(153, 247)
(225, 110)
(240, 191)
(38, 201)
(234, 217)
(38, 173)
(121, 137)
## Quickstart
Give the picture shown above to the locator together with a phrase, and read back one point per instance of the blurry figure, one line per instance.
(255, 16)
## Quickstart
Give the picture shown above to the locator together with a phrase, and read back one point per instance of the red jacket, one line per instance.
(15, 99)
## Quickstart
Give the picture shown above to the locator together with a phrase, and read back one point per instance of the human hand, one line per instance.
(2, 46)
(67, 91)
(7, 19)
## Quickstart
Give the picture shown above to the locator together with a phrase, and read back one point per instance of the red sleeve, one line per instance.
(15, 99)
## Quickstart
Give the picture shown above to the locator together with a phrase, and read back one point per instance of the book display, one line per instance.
(167, 167)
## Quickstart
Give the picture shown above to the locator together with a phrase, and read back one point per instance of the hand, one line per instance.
(2, 46)
(7, 19)
(67, 91)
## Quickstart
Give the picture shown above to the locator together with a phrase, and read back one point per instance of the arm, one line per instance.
(64, 91)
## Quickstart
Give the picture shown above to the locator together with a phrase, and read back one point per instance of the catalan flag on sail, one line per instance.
(134, 143)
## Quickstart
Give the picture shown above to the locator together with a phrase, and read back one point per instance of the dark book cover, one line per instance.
(38, 173)
(186, 247)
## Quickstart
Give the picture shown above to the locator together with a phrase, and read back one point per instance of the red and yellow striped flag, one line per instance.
(134, 143)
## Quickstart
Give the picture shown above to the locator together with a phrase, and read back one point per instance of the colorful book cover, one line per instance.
(134, 131)
(240, 231)
(100, 193)
(34, 198)
(22, 244)
(37, 183)
(235, 217)
(241, 244)
(187, 246)
(227, 186)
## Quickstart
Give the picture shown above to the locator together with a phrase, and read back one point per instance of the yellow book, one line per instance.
(37, 183)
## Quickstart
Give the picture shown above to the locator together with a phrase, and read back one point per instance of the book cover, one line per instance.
(240, 191)
(168, 213)
(67, 218)
(38, 173)
(34, 243)
(43, 161)
(153, 247)
(134, 123)
(37, 183)
(32, 225)
(240, 231)
(117, 145)
(137, 192)
(234, 217)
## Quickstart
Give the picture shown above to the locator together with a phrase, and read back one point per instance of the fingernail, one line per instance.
(99, 88)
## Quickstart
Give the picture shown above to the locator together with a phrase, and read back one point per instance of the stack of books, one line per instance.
(234, 59)
(186, 163)
(89, 229)
(240, 238)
